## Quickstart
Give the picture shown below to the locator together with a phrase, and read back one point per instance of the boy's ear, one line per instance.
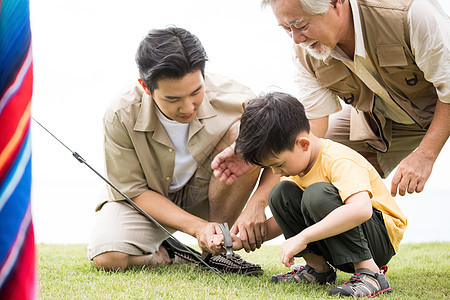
(144, 86)
(303, 142)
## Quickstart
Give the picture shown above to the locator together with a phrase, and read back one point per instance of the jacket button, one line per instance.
(167, 178)
(170, 150)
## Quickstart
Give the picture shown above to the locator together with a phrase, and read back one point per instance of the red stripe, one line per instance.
(21, 284)
(10, 118)
(13, 111)
(15, 145)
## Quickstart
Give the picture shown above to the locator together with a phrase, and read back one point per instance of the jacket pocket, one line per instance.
(329, 75)
(391, 56)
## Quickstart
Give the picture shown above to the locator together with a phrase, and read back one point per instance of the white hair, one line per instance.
(315, 7)
(312, 7)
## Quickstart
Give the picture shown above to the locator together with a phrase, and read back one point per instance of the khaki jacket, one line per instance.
(386, 39)
(139, 154)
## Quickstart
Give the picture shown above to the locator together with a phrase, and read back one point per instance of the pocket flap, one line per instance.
(332, 73)
(391, 56)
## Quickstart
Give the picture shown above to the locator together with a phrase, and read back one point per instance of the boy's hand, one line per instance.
(227, 166)
(290, 248)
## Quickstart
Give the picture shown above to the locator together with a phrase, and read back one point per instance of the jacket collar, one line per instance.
(360, 49)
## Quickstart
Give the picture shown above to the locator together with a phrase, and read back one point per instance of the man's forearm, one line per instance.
(438, 132)
(266, 183)
(167, 213)
(273, 230)
(319, 127)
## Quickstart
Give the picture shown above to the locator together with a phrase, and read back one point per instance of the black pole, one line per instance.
(131, 202)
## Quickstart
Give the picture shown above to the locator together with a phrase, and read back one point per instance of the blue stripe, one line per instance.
(13, 213)
(15, 174)
(15, 39)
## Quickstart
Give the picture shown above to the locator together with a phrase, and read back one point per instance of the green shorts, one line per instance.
(294, 210)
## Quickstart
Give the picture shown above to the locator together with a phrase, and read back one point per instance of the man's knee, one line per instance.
(111, 261)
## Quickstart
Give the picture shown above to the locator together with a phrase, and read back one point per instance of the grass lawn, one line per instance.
(418, 271)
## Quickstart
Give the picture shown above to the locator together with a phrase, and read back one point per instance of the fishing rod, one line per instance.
(80, 159)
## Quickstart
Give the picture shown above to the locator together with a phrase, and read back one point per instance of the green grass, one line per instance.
(418, 271)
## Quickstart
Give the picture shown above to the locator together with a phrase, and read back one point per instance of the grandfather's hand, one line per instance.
(251, 227)
(227, 166)
(412, 173)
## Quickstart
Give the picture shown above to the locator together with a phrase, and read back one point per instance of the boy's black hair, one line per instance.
(169, 53)
(269, 126)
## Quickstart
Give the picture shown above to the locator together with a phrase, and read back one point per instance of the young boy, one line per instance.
(335, 210)
(160, 137)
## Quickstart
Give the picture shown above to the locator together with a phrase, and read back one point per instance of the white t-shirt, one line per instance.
(185, 164)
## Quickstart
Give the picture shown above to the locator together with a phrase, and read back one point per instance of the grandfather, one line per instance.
(390, 62)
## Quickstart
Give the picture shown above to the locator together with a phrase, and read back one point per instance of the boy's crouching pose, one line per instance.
(335, 210)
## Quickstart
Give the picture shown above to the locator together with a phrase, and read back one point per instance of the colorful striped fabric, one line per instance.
(17, 249)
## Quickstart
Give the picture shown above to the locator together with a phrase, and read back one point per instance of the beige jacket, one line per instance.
(386, 39)
(138, 152)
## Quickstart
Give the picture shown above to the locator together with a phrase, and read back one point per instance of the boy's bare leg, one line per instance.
(317, 262)
(367, 264)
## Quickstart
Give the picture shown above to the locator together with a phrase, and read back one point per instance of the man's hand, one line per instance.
(228, 166)
(412, 173)
(207, 240)
(251, 227)
(415, 169)
(219, 239)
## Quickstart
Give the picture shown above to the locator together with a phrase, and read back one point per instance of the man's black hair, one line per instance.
(269, 126)
(169, 53)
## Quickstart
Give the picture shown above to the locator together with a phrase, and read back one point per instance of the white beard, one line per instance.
(320, 51)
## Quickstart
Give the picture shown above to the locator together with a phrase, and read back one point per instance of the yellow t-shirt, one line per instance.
(351, 173)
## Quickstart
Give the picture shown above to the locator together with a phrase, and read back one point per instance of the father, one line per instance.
(160, 137)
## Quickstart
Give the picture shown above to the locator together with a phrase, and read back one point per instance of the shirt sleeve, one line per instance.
(350, 178)
(121, 162)
(318, 101)
(430, 42)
